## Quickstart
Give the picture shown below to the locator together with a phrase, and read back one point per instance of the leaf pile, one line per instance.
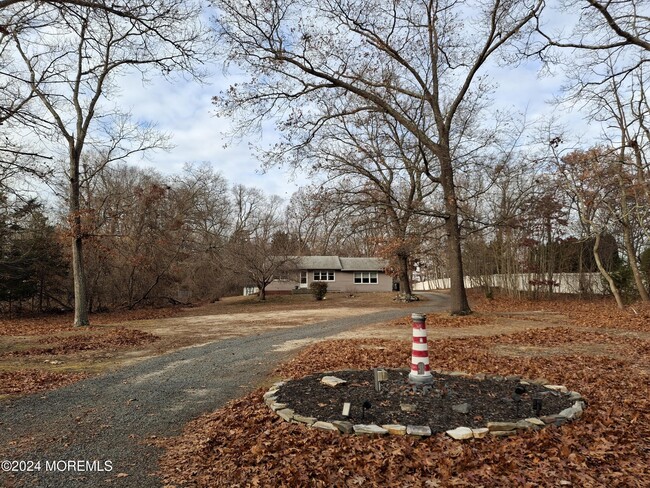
(48, 324)
(32, 380)
(597, 313)
(41, 325)
(245, 444)
(114, 338)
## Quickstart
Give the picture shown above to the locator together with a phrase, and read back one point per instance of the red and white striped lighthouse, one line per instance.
(420, 369)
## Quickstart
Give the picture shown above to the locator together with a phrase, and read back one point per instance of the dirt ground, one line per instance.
(35, 352)
(46, 352)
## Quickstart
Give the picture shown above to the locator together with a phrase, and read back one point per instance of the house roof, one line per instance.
(341, 264)
(363, 264)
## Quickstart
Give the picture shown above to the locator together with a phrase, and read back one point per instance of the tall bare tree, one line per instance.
(369, 163)
(69, 56)
(418, 62)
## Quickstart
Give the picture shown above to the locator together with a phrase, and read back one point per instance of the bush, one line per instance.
(318, 289)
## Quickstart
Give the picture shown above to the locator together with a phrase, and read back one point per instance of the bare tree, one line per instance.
(373, 167)
(589, 179)
(68, 56)
(611, 93)
(605, 26)
(417, 62)
(254, 249)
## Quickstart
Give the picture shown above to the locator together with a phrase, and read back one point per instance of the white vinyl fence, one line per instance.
(563, 282)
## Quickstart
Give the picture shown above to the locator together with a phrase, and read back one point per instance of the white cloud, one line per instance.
(184, 110)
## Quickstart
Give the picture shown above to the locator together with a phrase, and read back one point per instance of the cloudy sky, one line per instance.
(184, 110)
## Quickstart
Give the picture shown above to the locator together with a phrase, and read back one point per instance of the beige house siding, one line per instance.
(343, 282)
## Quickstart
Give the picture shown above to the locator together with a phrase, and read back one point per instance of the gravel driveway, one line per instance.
(99, 432)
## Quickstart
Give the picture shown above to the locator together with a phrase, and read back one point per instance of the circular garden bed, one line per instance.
(462, 405)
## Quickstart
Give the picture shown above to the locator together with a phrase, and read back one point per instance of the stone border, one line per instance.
(494, 429)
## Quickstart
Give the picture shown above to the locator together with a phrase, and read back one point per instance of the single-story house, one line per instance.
(350, 275)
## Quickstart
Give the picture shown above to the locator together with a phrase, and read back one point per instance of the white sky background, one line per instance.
(184, 110)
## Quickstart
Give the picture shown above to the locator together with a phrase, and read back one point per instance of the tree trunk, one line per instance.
(404, 281)
(631, 258)
(606, 275)
(459, 304)
(262, 293)
(550, 258)
(78, 272)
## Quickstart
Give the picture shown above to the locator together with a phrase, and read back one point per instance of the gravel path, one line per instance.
(114, 418)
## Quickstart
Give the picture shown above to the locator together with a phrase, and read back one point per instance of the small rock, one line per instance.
(270, 393)
(525, 425)
(461, 408)
(324, 426)
(554, 419)
(395, 429)
(574, 395)
(460, 374)
(407, 407)
(278, 406)
(304, 420)
(270, 400)
(535, 421)
(503, 433)
(540, 381)
(571, 412)
(460, 433)
(480, 433)
(286, 414)
(369, 429)
(501, 426)
(480, 376)
(522, 382)
(513, 377)
(419, 430)
(279, 384)
(343, 426)
(332, 381)
(560, 388)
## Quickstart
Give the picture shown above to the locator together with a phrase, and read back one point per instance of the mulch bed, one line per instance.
(489, 400)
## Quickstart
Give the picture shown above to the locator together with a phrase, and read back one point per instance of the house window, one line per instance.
(303, 277)
(282, 276)
(366, 277)
(323, 275)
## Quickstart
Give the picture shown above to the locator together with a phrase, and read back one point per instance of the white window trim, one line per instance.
(370, 276)
(327, 273)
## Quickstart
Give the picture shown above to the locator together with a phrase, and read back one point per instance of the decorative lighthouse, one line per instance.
(420, 370)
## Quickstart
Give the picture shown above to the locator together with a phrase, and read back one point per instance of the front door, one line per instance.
(303, 279)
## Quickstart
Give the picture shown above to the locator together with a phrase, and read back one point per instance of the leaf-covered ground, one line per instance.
(34, 380)
(48, 324)
(55, 350)
(600, 352)
(106, 339)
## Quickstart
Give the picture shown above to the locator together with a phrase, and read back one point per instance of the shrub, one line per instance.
(318, 289)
